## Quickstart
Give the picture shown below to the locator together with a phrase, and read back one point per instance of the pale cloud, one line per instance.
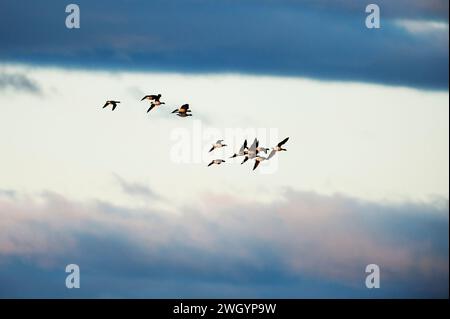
(136, 188)
(423, 26)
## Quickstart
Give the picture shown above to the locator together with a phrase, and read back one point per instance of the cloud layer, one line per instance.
(315, 39)
(304, 245)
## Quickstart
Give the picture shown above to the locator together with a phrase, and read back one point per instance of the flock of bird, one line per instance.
(252, 152)
(155, 100)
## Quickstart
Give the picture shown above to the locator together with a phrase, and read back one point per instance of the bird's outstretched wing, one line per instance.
(212, 148)
(114, 106)
(106, 104)
(283, 141)
(271, 154)
(245, 160)
(243, 147)
(144, 97)
(256, 165)
(210, 163)
(151, 107)
(253, 146)
(185, 107)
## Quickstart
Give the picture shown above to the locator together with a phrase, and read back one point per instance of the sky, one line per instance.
(127, 195)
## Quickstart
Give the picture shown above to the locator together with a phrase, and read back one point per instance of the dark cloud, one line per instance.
(18, 81)
(304, 245)
(318, 39)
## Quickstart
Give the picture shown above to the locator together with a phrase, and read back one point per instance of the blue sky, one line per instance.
(128, 197)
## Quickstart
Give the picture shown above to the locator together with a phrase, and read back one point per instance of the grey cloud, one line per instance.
(136, 189)
(19, 82)
(304, 245)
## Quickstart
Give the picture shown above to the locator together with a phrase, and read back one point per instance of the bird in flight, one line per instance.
(252, 152)
(151, 97)
(113, 103)
(183, 111)
(216, 161)
(279, 146)
(155, 103)
(242, 150)
(259, 159)
(218, 144)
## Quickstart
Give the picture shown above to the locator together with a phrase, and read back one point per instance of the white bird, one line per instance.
(216, 161)
(218, 144)
(242, 150)
(251, 152)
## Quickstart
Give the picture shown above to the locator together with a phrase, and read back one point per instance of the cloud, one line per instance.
(423, 27)
(19, 82)
(136, 189)
(316, 39)
(304, 245)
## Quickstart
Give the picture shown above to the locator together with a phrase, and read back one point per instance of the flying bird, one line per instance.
(259, 159)
(251, 152)
(242, 150)
(279, 147)
(216, 161)
(182, 109)
(151, 97)
(218, 144)
(153, 104)
(113, 103)
(262, 149)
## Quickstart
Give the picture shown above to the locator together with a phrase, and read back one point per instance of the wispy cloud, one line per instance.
(423, 27)
(136, 189)
(18, 81)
